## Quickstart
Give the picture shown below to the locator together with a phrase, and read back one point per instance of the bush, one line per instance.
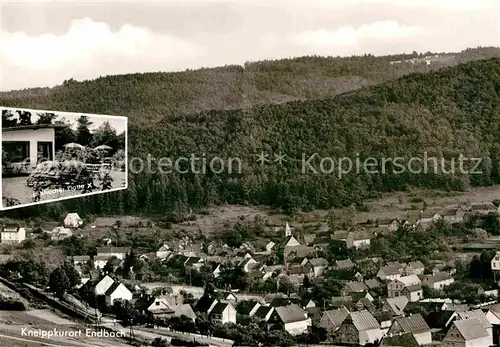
(11, 305)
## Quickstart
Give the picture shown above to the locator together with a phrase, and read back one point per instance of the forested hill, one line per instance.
(446, 113)
(146, 98)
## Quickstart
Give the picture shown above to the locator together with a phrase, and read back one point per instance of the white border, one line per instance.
(62, 113)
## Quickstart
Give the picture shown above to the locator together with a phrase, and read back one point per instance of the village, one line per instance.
(287, 284)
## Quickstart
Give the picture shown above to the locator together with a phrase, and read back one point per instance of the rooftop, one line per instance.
(35, 127)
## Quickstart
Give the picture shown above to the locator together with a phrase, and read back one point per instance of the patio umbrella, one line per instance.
(103, 148)
(73, 145)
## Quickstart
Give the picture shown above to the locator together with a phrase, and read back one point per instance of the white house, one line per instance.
(248, 264)
(391, 271)
(317, 266)
(358, 240)
(103, 285)
(397, 288)
(415, 268)
(117, 291)
(223, 313)
(72, 220)
(438, 280)
(163, 252)
(12, 234)
(119, 252)
(293, 319)
(30, 142)
(495, 262)
(288, 230)
(414, 324)
(467, 333)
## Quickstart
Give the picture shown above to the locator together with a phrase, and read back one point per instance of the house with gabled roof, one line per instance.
(343, 264)
(117, 292)
(206, 303)
(248, 264)
(333, 319)
(103, 285)
(223, 313)
(354, 287)
(264, 313)
(480, 317)
(248, 307)
(453, 216)
(358, 239)
(466, 332)
(391, 225)
(72, 220)
(359, 328)
(391, 271)
(415, 268)
(438, 280)
(292, 318)
(414, 324)
(154, 306)
(409, 286)
(163, 252)
(396, 305)
(317, 266)
(373, 284)
(440, 320)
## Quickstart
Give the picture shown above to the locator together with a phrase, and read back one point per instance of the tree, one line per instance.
(7, 120)
(83, 134)
(46, 118)
(59, 282)
(73, 275)
(105, 134)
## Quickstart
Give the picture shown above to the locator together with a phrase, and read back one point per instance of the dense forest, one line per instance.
(444, 112)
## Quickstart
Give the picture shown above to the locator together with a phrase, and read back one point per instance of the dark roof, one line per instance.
(204, 303)
(35, 127)
(245, 307)
(438, 319)
(144, 302)
(219, 308)
(112, 288)
(263, 311)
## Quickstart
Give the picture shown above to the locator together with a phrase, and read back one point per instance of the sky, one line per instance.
(118, 123)
(43, 43)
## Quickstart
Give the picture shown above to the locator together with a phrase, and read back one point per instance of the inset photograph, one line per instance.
(50, 155)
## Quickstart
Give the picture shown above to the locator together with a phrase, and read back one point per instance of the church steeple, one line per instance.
(288, 231)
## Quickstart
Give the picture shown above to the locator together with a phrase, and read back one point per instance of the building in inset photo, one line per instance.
(50, 155)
